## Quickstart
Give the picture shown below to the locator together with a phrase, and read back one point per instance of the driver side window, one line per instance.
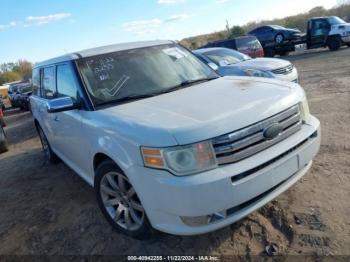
(66, 83)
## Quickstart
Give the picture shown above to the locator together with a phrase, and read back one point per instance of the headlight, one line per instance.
(181, 160)
(256, 73)
(304, 108)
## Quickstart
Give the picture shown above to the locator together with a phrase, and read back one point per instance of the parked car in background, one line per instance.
(277, 39)
(168, 143)
(229, 62)
(3, 140)
(2, 103)
(248, 45)
(22, 99)
(23, 91)
(12, 92)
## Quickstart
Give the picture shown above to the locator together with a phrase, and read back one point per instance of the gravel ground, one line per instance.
(47, 209)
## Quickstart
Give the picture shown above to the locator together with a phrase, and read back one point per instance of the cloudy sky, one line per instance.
(38, 29)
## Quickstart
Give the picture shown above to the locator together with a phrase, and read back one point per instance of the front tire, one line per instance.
(50, 156)
(334, 44)
(119, 202)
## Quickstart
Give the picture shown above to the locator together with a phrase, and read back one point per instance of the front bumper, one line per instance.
(167, 198)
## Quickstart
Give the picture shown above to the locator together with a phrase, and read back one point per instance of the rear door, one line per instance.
(265, 35)
(44, 89)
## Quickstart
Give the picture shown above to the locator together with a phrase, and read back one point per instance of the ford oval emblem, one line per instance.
(273, 131)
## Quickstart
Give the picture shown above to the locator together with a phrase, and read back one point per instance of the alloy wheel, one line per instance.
(121, 202)
(279, 39)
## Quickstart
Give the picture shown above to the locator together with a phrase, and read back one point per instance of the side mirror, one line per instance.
(60, 105)
(213, 66)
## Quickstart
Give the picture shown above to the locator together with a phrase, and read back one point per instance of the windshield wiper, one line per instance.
(126, 99)
(169, 90)
(193, 81)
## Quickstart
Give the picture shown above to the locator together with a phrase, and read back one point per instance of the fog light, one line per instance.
(196, 221)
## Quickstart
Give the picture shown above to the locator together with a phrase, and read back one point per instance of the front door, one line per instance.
(67, 125)
(319, 32)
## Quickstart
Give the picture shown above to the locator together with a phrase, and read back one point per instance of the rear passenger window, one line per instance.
(48, 83)
(66, 84)
(36, 82)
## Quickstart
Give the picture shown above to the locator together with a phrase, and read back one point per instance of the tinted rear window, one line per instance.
(248, 42)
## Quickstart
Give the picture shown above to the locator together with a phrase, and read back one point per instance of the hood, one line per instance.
(266, 64)
(291, 31)
(204, 111)
(345, 26)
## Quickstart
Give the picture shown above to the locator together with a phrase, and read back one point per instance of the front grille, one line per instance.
(283, 70)
(250, 140)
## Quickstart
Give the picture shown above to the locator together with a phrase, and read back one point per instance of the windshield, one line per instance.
(142, 72)
(224, 56)
(334, 20)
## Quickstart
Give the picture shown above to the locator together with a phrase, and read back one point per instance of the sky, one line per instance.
(37, 30)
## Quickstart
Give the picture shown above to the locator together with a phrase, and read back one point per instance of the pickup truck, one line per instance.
(331, 32)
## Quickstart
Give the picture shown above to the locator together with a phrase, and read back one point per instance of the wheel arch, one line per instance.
(330, 37)
(99, 158)
(36, 123)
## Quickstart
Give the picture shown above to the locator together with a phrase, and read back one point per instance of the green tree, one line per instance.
(236, 31)
(23, 68)
(9, 76)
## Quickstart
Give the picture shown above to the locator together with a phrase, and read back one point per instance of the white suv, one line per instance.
(165, 142)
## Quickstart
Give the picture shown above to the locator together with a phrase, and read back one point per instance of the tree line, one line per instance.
(15, 71)
(299, 21)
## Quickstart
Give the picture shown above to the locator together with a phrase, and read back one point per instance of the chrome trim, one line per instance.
(248, 141)
(283, 70)
(59, 104)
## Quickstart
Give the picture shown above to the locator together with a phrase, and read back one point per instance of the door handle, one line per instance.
(56, 119)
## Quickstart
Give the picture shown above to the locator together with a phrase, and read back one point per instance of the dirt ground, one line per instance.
(48, 209)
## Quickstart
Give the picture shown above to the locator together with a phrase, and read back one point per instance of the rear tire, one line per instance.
(3, 144)
(334, 43)
(279, 38)
(50, 156)
(348, 44)
(119, 202)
